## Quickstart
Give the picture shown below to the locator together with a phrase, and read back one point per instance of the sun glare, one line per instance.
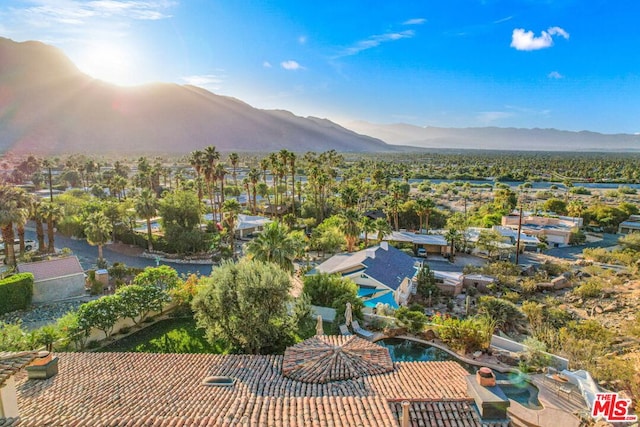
(109, 62)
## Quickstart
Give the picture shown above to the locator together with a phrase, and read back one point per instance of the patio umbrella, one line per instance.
(348, 315)
(319, 330)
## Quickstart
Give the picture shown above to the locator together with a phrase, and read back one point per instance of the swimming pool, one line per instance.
(514, 385)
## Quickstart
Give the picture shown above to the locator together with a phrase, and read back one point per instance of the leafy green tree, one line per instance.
(333, 290)
(162, 277)
(489, 241)
(426, 283)
(97, 228)
(180, 211)
(137, 301)
(556, 206)
(245, 304)
(14, 338)
(102, 314)
(328, 237)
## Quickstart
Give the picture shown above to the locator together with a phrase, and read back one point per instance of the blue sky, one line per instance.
(572, 65)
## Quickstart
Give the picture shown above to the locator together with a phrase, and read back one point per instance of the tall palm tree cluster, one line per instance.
(16, 208)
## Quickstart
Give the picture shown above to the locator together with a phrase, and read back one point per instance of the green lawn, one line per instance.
(168, 336)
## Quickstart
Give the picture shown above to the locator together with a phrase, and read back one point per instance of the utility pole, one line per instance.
(519, 231)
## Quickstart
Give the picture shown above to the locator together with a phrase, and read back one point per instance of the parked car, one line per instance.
(422, 252)
(29, 245)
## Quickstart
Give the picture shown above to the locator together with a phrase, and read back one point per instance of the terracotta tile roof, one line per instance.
(49, 269)
(135, 389)
(327, 358)
(12, 362)
(443, 413)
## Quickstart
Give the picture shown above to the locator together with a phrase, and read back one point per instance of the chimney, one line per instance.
(371, 253)
(384, 245)
(405, 413)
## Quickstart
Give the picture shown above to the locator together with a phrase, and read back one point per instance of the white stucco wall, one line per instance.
(45, 291)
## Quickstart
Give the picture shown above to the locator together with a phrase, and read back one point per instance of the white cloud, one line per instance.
(376, 40)
(291, 65)
(526, 40)
(555, 75)
(207, 81)
(266, 64)
(414, 21)
(75, 12)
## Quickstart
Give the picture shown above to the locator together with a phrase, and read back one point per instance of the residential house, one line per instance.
(383, 273)
(55, 279)
(323, 381)
(631, 225)
(556, 230)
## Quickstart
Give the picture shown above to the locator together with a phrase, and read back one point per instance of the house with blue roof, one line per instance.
(383, 274)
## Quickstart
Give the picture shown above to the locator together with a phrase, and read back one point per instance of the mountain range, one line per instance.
(48, 106)
(495, 138)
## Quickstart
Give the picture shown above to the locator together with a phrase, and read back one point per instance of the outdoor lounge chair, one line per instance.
(344, 330)
(362, 332)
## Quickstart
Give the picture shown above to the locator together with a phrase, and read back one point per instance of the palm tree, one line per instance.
(233, 159)
(292, 166)
(254, 178)
(424, 208)
(51, 212)
(46, 163)
(196, 159)
(11, 212)
(146, 205)
(382, 227)
(27, 202)
(37, 217)
(231, 209)
(452, 237)
(98, 228)
(368, 226)
(220, 172)
(274, 244)
(350, 227)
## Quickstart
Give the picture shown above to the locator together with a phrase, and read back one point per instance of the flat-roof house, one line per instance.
(55, 279)
(557, 230)
(631, 225)
(383, 273)
(323, 381)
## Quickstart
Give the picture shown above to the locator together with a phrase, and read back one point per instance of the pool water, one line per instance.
(514, 386)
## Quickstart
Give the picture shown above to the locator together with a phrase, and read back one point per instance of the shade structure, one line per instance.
(348, 314)
(327, 358)
(319, 328)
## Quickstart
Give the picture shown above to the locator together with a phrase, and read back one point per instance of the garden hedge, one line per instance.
(16, 292)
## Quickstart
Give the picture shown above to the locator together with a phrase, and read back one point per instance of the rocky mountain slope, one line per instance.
(47, 106)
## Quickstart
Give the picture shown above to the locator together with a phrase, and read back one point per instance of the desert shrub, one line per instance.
(589, 289)
(414, 321)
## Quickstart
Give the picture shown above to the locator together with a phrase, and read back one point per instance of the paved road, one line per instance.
(88, 254)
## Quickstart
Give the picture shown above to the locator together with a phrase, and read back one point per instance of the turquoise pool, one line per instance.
(514, 386)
